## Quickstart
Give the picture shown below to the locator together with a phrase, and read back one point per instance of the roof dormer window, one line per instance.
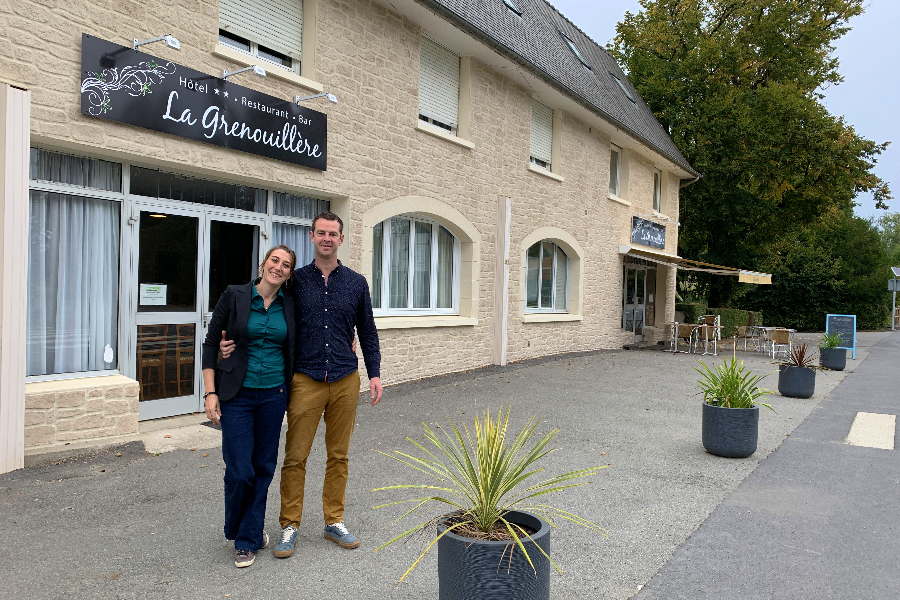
(511, 5)
(575, 50)
(623, 88)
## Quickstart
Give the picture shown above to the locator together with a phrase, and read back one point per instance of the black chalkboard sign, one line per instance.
(845, 325)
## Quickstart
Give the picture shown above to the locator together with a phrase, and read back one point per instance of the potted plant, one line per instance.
(495, 538)
(730, 408)
(830, 355)
(797, 374)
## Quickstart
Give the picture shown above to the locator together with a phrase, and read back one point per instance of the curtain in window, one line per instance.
(546, 275)
(614, 171)
(377, 263)
(73, 283)
(562, 283)
(531, 286)
(288, 205)
(295, 237)
(445, 269)
(76, 170)
(399, 277)
(422, 266)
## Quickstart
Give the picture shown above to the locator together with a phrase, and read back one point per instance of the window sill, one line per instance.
(550, 317)
(617, 199)
(271, 70)
(545, 173)
(443, 134)
(75, 381)
(424, 322)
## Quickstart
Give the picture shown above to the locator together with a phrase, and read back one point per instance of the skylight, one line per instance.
(574, 49)
(512, 6)
(623, 88)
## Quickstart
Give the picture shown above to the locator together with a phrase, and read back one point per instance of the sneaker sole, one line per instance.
(282, 553)
(349, 546)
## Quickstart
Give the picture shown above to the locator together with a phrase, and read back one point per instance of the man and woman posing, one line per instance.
(290, 331)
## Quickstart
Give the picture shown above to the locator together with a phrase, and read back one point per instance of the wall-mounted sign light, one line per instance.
(330, 97)
(257, 70)
(170, 41)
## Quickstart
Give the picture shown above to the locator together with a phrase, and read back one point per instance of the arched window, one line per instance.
(415, 267)
(547, 278)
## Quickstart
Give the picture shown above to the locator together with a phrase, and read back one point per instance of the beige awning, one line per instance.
(677, 262)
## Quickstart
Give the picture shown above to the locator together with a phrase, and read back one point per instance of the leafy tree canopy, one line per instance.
(737, 85)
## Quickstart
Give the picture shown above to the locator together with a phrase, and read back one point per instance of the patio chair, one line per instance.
(745, 332)
(781, 342)
(685, 331)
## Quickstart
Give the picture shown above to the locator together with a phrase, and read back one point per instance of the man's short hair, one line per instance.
(329, 216)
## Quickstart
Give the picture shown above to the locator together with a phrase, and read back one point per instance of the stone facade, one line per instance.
(368, 56)
(95, 409)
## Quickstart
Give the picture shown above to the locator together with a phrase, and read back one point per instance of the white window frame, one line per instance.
(553, 299)
(657, 190)
(130, 206)
(254, 14)
(254, 52)
(615, 175)
(442, 76)
(386, 270)
(541, 139)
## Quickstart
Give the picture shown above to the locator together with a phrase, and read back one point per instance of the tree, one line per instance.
(889, 227)
(737, 85)
(834, 265)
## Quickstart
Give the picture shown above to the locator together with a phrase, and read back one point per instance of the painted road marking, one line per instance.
(872, 431)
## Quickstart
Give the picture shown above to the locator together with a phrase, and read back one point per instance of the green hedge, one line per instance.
(692, 310)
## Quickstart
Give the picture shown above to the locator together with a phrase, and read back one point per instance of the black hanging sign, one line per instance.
(131, 87)
(648, 233)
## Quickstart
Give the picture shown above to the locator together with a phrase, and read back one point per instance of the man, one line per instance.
(332, 302)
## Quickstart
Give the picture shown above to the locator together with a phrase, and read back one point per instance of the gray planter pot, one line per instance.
(796, 382)
(730, 432)
(833, 358)
(479, 570)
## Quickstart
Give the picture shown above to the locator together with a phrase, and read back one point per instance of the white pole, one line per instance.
(894, 308)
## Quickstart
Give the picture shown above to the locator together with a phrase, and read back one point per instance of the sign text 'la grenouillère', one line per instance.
(127, 86)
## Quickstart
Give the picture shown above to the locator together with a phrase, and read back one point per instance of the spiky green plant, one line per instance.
(731, 385)
(481, 477)
(831, 340)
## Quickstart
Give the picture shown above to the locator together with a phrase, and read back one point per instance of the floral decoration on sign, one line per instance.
(137, 80)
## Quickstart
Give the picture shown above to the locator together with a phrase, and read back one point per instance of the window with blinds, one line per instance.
(541, 134)
(270, 28)
(439, 86)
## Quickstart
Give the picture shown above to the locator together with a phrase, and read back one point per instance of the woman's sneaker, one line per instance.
(285, 547)
(338, 534)
(244, 558)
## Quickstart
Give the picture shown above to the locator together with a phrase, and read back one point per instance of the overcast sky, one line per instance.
(868, 98)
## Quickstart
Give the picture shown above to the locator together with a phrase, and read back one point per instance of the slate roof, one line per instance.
(533, 40)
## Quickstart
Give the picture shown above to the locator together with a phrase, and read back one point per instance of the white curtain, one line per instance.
(422, 266)
(377, 263)
(533, 276)
(295, 237)
(562, 281)
(399, 279)
(445, 269)
(73, 284)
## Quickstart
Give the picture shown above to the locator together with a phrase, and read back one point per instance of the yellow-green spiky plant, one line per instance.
(481, 477)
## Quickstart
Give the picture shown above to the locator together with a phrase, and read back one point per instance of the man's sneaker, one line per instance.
(244, 558)
(338, 534)
(285, 547)
(265, 540)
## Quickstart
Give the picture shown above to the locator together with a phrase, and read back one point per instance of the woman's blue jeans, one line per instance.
(251, 430)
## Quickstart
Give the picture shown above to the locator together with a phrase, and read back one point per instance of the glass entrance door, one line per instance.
(634, 297)
(167, 316)
(185, 260)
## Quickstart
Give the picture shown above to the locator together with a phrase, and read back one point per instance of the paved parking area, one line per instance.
(123, 523)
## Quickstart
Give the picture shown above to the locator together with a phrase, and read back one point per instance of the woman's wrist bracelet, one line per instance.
(209, 394)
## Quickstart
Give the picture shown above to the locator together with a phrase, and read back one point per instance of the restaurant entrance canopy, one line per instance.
(693, 265)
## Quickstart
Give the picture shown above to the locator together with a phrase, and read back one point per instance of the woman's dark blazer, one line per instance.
(231, 314)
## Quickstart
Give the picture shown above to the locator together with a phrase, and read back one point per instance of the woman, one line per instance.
(249, 391)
